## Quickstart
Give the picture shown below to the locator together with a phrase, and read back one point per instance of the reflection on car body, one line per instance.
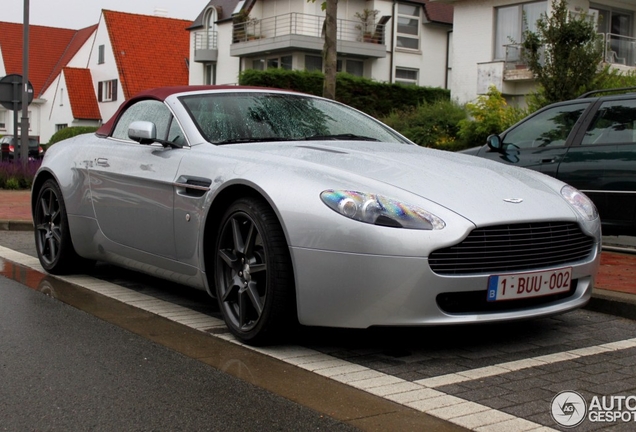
(290, 208)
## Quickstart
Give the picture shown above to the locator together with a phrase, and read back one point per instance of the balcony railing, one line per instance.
(205, 46)
(619, 49)
(205, 39)
(306, 25)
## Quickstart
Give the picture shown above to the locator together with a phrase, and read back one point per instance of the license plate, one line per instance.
(532, 284)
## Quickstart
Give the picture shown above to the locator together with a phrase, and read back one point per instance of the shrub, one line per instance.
(372, 97)
(432, 124)
(70, 132)
(489, 115)
(14, 176)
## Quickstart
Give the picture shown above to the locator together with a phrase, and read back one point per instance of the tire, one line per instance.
(253, 274)
(52, 234)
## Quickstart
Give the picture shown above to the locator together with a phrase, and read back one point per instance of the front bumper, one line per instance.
(349, 290)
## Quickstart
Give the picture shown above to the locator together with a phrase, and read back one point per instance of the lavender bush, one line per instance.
(14, 176)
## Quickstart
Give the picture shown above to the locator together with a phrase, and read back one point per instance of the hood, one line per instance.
(472, 187)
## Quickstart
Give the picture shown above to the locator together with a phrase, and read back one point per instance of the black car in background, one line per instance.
(589, 142)
(10, 149)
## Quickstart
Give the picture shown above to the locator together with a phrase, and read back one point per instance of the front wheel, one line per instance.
(253, 273)
(52, 234)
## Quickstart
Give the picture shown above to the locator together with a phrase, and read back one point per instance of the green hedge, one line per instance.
(70, 132)
(375, 98)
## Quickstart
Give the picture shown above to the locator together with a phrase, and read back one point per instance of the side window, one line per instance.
(548, 128)
(147, 110)
(614, 123)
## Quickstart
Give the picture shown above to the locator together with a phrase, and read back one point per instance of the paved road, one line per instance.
(489, 377)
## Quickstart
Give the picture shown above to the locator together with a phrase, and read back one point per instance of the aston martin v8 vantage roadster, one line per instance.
(293, 209)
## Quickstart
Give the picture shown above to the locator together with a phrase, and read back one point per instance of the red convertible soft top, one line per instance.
(160, 94)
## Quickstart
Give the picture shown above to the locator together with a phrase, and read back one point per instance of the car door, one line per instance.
(602, 163)
(132, 183)
(541, 140)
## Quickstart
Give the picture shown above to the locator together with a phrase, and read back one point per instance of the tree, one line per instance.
(564, 54)
(329, 51)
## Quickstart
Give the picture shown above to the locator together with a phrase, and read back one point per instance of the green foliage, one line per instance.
(609, 78)
(13, 175)
(489, 115)
(70, 132)
(374, 98)
(564, 54)
(432, 124)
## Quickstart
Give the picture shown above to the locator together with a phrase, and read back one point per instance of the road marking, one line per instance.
(420, 395)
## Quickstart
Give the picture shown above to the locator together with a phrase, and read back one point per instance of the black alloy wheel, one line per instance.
(52, 235)
(254, 278)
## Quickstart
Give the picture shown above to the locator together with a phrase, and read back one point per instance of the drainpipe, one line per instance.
(448, 35)
(392, 44)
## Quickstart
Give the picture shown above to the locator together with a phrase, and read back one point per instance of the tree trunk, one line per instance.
(330, 54)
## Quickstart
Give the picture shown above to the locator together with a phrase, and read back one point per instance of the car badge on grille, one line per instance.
(513, 200)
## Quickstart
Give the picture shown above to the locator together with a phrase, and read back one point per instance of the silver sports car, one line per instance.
(290, 208)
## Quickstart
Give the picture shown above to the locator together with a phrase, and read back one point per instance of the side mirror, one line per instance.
(144, 132)
(494, 142)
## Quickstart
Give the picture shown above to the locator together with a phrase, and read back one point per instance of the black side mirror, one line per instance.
(494, 142)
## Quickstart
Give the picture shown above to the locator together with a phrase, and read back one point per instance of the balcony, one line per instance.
(301, 31)
(619, 51)
(205, 46)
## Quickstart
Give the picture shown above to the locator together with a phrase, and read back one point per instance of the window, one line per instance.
(284, 62)
(59, 127)
(100, 54)
(512, 22)
(353, 67)
(614, 123)
(152, 111)
(618, 23)
(313, 63)
(3, 116)
(406, 76)
(107, 91)
(209, 73)
(408, 27)
(548, 128)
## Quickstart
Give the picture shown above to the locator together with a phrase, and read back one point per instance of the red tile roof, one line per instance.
(150, 51)
(49, 48)
(437, 12)
(79, 84)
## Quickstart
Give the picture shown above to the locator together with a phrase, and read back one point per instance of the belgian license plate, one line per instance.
(532, 284)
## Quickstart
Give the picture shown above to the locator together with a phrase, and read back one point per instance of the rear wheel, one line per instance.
(254, 277)
(52, 235)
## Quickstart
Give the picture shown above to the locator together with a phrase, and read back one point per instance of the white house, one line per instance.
(486, 34)
(81, 77)
(401, 41)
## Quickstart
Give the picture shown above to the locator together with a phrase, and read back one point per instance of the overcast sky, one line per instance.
(77, 14)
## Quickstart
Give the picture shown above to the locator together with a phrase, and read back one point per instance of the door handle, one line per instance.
(102, 162)
(550, 160)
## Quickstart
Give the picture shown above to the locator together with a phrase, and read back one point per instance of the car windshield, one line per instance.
(224, 118)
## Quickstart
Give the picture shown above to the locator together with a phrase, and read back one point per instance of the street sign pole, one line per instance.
(24, 147)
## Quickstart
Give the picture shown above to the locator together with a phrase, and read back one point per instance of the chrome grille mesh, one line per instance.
(517, 247)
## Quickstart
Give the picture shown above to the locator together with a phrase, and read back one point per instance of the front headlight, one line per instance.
(580, 202)
(379, 210)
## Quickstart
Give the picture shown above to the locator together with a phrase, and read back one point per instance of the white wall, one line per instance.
(106, 71)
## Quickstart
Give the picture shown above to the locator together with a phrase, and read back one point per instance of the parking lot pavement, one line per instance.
(481, 377)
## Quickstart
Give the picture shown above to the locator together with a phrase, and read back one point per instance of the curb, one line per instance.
(12, 225)
(613, 303)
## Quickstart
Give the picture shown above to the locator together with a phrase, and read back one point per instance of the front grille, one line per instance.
(518, 247)
(477, 301)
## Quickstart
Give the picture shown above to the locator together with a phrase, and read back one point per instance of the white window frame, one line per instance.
(515, 17)
(404, 37)
(405, 80)
(107, 91)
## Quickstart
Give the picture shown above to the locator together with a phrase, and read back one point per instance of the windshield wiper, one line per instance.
(340, 137)
(251, 140)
